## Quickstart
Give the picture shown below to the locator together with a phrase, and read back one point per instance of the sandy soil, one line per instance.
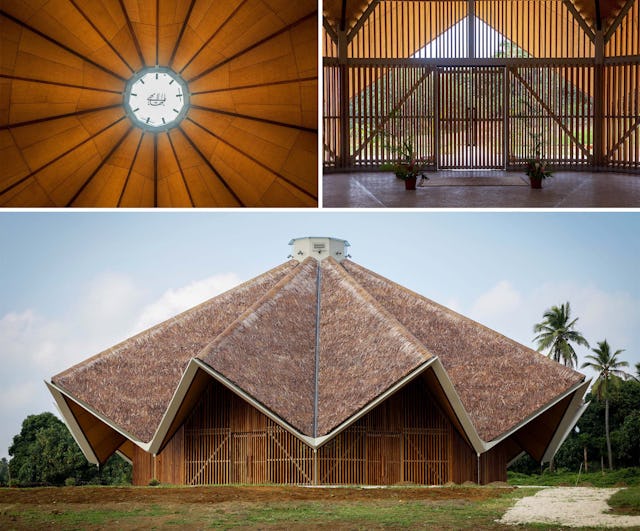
(568, 506)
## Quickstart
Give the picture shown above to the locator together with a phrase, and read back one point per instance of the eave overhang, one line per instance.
(163, 432)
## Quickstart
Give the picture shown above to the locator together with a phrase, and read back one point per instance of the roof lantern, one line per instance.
(319, 248)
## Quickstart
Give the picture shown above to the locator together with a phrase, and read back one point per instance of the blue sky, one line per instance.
(74, 283)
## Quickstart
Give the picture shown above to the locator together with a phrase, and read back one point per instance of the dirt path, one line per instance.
(568, 506)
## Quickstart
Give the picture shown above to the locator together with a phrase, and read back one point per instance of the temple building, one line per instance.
(319, 371)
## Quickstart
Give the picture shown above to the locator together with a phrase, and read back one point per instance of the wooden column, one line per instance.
(598, 102)
(343, 73)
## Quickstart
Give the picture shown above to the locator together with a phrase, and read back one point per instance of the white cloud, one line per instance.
(601, 314)
(174, 301)
(501, 300)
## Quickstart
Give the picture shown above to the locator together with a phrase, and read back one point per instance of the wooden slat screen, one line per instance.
(551, 108)
(622, 115)
(389, 106)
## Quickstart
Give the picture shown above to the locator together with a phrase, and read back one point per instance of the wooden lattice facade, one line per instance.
(482, 84)
(406, 439)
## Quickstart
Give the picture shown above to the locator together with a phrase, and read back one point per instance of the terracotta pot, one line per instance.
(536, 182)
(410, 183)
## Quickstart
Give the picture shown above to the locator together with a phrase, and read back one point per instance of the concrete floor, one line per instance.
(563, 190)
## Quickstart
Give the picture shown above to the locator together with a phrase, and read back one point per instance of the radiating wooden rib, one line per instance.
(253, 159)
(155, 169)
(256, 119)
(157, 31)
(218, 29)
(23, 179)
(132, 32)
(211, 167)
(181, 33)
(58, 116)
(133, 162)
(343, 16)
(253, 46)
(184, 180)
(60, 45)
(107, 41)
(257, 85)
(31, 80)
(102, 163)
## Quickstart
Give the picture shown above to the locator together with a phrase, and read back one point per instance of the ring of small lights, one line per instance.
(138, 117)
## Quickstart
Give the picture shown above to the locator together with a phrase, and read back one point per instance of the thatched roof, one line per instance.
(314, 344)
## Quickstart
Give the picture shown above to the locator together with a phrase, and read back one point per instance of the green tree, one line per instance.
(44, 453)
(4, 471)
(556, 332)
(609, 370)
(637, 371)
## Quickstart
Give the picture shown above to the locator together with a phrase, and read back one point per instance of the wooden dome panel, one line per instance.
(32, 100)
(256, 153)
(63, 23)
(64, 65)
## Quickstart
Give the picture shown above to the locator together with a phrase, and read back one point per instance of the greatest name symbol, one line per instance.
(156, 99)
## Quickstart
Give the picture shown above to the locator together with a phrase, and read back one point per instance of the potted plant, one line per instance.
(410, 167)
(537, 169)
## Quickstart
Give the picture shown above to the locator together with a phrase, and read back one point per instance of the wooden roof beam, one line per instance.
(618, 20)
(580, 19)
(363, 18)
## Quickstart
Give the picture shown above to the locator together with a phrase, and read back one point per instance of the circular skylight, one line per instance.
(156, 99)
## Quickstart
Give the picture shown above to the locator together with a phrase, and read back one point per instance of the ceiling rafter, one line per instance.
(95, 172)
(59, 83)
(252, 47)
(252, 158)
(256, 119)
(363, 18)
(618, 20)
(58, 116)
(218, 29)
(56, 159)
(187, 18)
(133, 33)
(580, 19)
(66, 48)
(133, 163)
(211, 166)
(184, 180)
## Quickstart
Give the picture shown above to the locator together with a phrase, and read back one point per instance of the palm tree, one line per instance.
(637, 371)
(609, 370)
(556, 333)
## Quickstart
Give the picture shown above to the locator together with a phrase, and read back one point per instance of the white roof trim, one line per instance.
(72, 424)
(153, 446)
(575, 410)
(99, 416)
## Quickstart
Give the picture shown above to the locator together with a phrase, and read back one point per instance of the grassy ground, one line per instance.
(256, 507)
(626, 501)
(624, 477)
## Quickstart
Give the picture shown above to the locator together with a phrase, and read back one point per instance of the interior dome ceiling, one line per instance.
(249, 137)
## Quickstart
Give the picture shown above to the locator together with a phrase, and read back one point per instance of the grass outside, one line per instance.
(624, 477)
(257, 507)
(626, 501)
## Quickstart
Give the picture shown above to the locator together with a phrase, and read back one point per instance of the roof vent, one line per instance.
(319, 248)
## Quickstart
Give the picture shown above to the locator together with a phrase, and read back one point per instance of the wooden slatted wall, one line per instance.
(225, 440)
(622, 115)
(551, 108)
(406, 76)
(405, 439)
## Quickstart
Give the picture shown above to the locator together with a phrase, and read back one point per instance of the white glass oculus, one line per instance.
(156, 98)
